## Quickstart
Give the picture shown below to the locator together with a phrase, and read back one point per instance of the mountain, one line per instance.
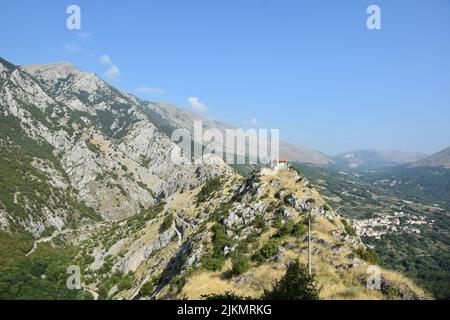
(372, 159)
(75, 148)
(107, 149)
(181, 118)
(438, 159)
(88, 180)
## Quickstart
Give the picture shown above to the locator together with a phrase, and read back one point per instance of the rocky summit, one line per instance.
(87, 179)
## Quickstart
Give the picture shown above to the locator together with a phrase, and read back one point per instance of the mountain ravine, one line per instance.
(86, 179)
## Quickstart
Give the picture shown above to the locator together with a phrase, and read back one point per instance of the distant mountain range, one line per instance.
(372, 159)
(182, 118)
(438, 159)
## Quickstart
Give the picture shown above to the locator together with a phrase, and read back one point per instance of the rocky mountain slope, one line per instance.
(187, 247)
(372, 159)
(85, 146)
(111, 149)
(438, 159)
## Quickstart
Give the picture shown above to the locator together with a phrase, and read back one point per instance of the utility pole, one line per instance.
(309, 242)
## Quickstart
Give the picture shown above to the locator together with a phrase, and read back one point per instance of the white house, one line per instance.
(280, 163)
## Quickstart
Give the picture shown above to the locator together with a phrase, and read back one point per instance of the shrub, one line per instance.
(367, 255)
(214, 263)
(241, 263)
(296, 284)
(278, 222)
(299, 230)
(147, 289)
(260, 223)
(390, 292)
(348, 228)
(124, 284)
(209, 187)
(295, 169)
(229, 295)
(220, 237)
(216, 260)
(287, 228)
(167, 223)
(88, 259)
(21, 278)
(267, 251)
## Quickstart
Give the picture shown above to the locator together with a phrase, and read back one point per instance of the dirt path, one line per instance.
(180, 237)
(58, 233)
(150, 274)
(184, 221)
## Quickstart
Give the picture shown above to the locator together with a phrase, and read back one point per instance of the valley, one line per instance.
(407, 222)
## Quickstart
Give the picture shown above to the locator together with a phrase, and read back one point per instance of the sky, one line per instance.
(309, 68)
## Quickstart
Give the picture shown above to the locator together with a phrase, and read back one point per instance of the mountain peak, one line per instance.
(438, 159)
(4, 64)
(58, 70)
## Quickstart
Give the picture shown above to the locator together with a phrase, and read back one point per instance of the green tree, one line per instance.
(296, 284)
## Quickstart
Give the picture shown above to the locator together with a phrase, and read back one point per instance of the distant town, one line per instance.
(396, 222)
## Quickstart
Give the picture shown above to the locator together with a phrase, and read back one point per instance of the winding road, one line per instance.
(150, 274)
(58, 233)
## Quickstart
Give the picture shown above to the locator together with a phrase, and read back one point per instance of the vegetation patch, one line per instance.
(208, 188)
(367, 255)
(296, 284)
(240, 263)
(268, 250)
(348, 228)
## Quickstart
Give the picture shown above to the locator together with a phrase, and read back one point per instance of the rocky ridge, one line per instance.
(185, 247)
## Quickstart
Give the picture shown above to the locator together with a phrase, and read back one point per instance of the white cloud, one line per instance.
(70, 47)
(197, 105)
(84, 35)
(113, 72)
(252, 122)
(149, 90)
(105, 59)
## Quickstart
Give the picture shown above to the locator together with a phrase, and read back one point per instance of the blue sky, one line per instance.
(310, 68)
